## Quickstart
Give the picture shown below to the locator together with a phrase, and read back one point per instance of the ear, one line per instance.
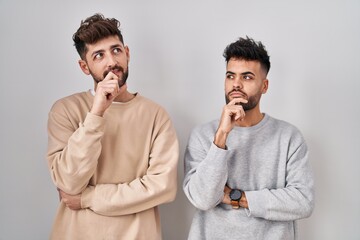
(127, 51)
(265, 86)
(84, 67)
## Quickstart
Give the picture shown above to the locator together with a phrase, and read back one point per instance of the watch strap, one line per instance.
(235, 204)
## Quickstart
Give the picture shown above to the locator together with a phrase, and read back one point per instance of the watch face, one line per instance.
(235, 194)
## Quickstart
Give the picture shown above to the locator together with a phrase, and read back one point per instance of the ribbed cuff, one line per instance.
(256, 203)
(86, 197)
(94, 122)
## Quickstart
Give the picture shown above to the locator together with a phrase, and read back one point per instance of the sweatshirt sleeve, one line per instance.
(206, 173)
(73, 153)
(295, 200)
(157, 186)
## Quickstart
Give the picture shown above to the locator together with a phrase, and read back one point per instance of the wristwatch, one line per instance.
(235, 195)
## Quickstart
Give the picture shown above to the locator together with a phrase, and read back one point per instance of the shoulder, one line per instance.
(76, 99)
(150, 106)
(286, 130)
(147, 102)
(210, 126)
(281, 124)
(202, 135)
(205, 130)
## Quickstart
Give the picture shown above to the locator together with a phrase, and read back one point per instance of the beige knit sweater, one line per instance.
(124, 164)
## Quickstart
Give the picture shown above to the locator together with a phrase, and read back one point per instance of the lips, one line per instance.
(117, 70)
(237, 94)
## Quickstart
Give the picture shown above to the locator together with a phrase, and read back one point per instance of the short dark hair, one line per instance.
(93, 29)
(247, 49)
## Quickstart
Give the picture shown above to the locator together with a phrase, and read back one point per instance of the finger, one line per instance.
(109, 83)
(227, 189)
(111, 76)
(64, 195)
(237, 115)
(61, 193)
(237, 101)
(111, 88)
(233, 109)
(241, 114)
(109, 91)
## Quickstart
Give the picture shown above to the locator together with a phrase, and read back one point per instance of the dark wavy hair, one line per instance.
(249, 50)
(93, 29)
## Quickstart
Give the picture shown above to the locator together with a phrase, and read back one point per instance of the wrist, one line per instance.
(243, 201)
(235, 196)
(237, 199)
(97, 113)
(220, 139)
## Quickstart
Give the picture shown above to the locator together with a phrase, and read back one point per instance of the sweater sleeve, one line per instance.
(157, 186)
(73, 153)
(295, 200)
(206, 173)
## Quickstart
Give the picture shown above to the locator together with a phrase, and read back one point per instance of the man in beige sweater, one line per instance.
(112, 154)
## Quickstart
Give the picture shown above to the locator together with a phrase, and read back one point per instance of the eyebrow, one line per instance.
(96, 52)
(243, 73)
(116, 46)
(102, 50)
(248, 72)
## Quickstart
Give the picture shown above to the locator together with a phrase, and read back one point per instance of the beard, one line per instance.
(253, 100)
(122, 79)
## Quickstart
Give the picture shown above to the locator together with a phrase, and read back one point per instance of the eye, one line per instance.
(229, 76)
(117, 50)
(247, 77)
(98, 56)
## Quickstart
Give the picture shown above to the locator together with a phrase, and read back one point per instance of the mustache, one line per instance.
(116, 67)
(227, 98)
(238, 90)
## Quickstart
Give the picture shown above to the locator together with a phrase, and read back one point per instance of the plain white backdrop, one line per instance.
(176, 59)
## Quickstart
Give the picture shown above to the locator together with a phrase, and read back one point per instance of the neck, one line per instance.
(124, 97)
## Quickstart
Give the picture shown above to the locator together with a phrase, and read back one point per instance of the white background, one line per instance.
(176, 59)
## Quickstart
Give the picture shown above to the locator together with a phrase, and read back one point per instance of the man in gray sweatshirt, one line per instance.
(248, 174)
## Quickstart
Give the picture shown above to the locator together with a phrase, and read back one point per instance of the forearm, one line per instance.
(157, 186)
(281, 204)
(293, 201)
(220, 139)
(73, 159)
(267, 204)
(205, 179)
(129, 198)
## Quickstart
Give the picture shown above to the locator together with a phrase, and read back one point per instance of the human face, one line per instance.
(108, 54)
(247, 80)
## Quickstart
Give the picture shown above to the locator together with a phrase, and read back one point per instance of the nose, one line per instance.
(237, 83)
(111, 61)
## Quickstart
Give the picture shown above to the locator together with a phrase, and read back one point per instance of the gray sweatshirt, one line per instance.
(269, 161)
